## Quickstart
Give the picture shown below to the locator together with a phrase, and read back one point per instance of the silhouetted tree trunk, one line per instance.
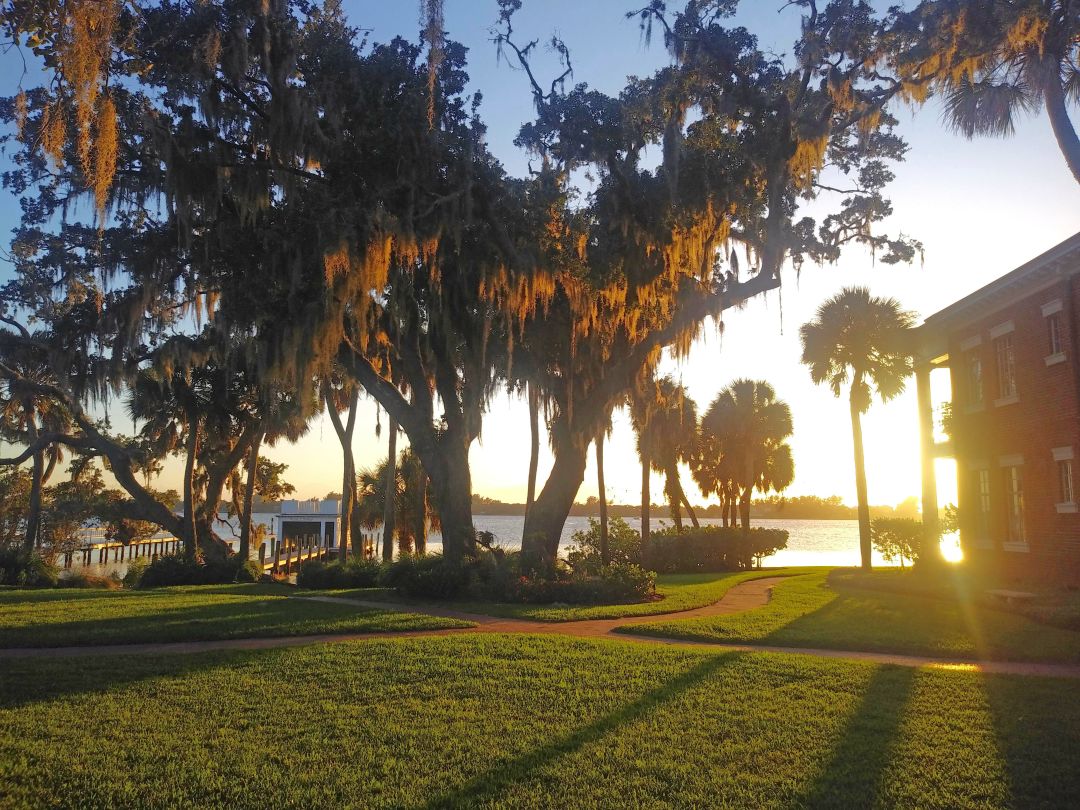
(348, 479)
(646, 497)
(422, 533)
(390, 495)
(1064, 131)
(690, 510)
(191, 533)
(534, 444)
(860, 484)
(605, 557)
(249, 497)
(37, 474)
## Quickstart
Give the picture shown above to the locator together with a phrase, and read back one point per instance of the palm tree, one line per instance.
(390, 484)
(994, 59)
(343, 395)
(858, 339)
(665, 419)
(602, 491)
(744, 437)
(409, 503)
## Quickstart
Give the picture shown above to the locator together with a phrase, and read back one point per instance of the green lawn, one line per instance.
(679, 592)
(52, 618)
(490, 721)
(837, 611)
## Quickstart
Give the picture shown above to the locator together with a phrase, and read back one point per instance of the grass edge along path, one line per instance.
(571, 723)
(681, 592)
(806, 611)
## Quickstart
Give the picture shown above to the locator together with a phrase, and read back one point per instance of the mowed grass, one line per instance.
(834, 611)
(55, 618)
(523, 722)
(677, 591)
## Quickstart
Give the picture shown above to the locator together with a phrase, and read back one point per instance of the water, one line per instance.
(810, 542)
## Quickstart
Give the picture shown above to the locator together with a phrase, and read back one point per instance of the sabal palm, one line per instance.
(994, 59)
(665, 420)
(744, 433)
(412, 509)
(858, 340)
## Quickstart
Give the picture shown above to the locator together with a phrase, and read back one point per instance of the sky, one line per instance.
(979, 207)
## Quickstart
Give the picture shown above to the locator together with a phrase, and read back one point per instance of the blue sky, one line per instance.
(980, 207)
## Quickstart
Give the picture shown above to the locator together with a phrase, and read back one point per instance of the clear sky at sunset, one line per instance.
(980, 208)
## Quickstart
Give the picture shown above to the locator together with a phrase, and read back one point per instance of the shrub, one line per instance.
(135, 570)
(710, 549)
(319, 575)
(897, 538)
(620, 583)
(27, 569)
(178, 569)
(81, 579)
(624, 546)
(428, 577)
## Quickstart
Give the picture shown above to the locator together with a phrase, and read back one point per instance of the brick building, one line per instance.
(1013, 426)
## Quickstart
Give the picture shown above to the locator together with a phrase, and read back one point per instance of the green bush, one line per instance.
(135, 570)
(897, 538)
(319, 575)
(26, 569)
(624, 546)
(710, 549)
(621, 583)
(427, 577)
(178, 569)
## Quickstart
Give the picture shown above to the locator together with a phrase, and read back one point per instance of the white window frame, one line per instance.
(1063, 462)
(1005, 365)
(1012, 471)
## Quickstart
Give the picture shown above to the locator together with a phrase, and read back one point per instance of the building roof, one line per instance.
(1058, 263)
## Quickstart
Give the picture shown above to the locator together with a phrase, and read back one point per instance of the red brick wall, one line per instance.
(1046, 416)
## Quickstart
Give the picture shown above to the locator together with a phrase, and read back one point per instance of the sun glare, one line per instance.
(950, 548)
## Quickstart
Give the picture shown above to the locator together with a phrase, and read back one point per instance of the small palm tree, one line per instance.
(744, 440)
(859, 340)
(665, 419)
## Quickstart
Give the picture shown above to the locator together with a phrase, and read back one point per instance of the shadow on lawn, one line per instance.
(852, 776)
(489, 784)
(26, 681)
(195, 623)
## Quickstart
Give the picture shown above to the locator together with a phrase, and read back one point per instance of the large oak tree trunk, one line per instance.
(348, 477)
(545, 521)
(860, 486)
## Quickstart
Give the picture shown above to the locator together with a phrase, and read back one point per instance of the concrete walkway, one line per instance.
(744, 596)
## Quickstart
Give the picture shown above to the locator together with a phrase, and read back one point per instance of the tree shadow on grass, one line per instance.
(1037, 724)
(489, 784)
(225, 620)
(28, 681)
(852, 777)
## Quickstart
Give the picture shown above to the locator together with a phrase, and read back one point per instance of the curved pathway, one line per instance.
(744, 596)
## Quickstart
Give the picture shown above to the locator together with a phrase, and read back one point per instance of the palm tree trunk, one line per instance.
(422, 533)
(348, 475)
(191, 541)
(1064, 131)
(249, 497)
(390, 493)
(671, 490)
(37, 475)
(860, 485)
(646, 497)
(744, 507)
(534, 444)
(605, 557)
(689, 508)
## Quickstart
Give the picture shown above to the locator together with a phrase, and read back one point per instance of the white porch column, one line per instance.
(931, 524)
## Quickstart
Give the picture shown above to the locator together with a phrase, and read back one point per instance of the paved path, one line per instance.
(744, 596)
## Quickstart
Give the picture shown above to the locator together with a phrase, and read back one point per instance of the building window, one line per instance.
(1053, 326)
(1066, 493)
(1014, 505)
(982, 522)
(974, 379)
(1006, 367)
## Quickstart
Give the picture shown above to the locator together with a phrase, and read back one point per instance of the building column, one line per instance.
(931, 524)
